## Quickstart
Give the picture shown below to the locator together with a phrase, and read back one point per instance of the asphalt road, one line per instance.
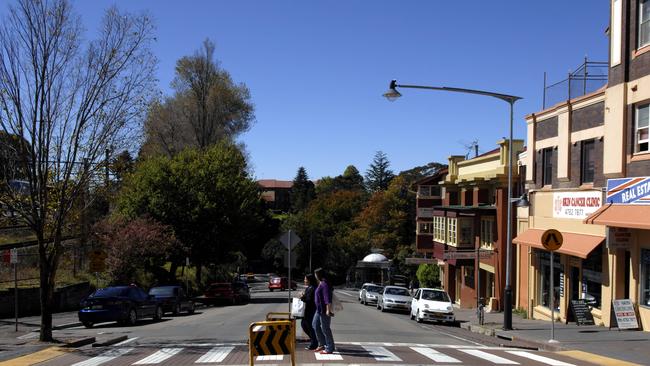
(364, 335)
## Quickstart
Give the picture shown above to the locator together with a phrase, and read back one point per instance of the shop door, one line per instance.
(575, 283)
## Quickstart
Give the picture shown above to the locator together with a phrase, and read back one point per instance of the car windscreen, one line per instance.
(111, 292)
(397, 291)
(162, 291)
(374, 289)
(435, 296)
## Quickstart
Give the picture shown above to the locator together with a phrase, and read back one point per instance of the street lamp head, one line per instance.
(392, 94)
(523, 201)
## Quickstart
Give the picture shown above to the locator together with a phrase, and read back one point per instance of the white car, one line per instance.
(370, 293)
(432, 304)
(394, 298)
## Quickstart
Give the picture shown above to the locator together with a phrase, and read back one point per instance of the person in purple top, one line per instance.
(324, 314)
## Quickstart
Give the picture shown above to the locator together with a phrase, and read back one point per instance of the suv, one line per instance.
(281, 283)
(228, 293)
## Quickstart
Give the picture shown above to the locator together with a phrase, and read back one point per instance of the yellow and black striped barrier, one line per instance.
(282, 316)
(274, 337)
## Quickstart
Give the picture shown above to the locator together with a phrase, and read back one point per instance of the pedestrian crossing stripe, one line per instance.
(219, 355)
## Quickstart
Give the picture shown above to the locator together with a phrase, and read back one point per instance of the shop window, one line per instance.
(466, 229)
(641, 135)
(547, 166)
(587, 162)
(592, 277)
(544, 265)
(487, 232)
(468, 272)
(439, 229)
(645, 277)
(452, 235)
(644, 22)
(425, 228)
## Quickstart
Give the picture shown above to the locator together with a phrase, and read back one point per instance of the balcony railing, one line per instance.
(587, 78)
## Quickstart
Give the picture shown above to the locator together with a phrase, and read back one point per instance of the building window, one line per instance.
(487, 232)
(644, 22)
(439, 229)
(424, 191)
(645, 277)
(452, 237)
(544, 265)
(547, 166)
(469, 276)
(466, 228)
(641, 135)
(425, 228)
(592, 277)
(587, 162)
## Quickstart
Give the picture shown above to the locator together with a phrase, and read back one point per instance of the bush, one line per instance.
(428, 275)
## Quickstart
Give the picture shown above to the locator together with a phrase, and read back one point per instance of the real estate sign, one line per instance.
(576, 205)
(625, 314)
(634, 190)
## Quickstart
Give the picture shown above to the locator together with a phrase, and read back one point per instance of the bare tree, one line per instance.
(67, 101)
(207, 106)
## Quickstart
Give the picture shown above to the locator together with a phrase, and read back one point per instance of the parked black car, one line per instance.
(124, 304)
(173, 299)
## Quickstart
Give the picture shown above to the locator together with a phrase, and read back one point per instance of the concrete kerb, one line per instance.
(110, 341)
(527, 342)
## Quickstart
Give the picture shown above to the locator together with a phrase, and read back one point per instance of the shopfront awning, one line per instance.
(577, 245)
(629, 216)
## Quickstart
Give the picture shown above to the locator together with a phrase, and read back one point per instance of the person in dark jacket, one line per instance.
(324, 314)
(310, 309)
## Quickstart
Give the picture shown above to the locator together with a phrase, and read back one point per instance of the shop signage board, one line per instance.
(581, 312)
(625, 314)
(467, 254)
(618, 238)
(421, 261)
(576, 205)
(633, 190)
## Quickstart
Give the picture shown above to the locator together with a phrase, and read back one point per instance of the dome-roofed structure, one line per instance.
(375, 258)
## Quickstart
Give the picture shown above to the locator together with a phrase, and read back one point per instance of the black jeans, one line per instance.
(305, 323)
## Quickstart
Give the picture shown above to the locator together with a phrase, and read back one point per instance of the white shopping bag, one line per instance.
(297, 308)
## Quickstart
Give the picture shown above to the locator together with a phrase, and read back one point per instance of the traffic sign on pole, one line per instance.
(552, 240)
(289, 239)
(13, 256)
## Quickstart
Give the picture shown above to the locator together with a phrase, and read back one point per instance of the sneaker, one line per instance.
(319, 348)
(310, 348)
(325, 352)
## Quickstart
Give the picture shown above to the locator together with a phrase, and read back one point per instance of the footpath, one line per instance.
(589, 343)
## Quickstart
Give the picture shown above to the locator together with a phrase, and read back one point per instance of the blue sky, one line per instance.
(317, 69)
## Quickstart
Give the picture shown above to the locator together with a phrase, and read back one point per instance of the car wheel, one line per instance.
(133, 317)
(191, 308)
(88, 324)
(271, 289)
(158, 314)
(417, 317)
(177, 309)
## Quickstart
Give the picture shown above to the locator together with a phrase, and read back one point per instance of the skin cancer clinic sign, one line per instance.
(632, 191)
(576, 205)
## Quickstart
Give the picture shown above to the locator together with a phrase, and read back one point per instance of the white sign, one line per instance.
(625, 314)
(618, 238)
(289, 239)
(13, 256)
(466, 254)
(576, 205)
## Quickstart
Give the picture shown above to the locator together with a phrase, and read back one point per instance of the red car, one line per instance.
(281, 283)
(227, 293)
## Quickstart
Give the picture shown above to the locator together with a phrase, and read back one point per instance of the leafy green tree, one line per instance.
(302, 191)
(428, 275)
(379, 175)
(206, 107)
(206, 196)
(349, 180)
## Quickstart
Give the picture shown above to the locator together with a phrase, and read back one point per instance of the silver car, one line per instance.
(394, 298)
(370, 293)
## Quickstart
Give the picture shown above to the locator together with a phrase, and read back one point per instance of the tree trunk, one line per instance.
(172, 271)
(46, 295)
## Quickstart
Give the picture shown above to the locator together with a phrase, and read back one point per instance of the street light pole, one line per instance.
(392, 94)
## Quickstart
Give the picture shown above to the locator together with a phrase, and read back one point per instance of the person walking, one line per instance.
(323, 316)
(310, 309)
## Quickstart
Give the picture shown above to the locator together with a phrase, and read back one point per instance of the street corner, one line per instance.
(36, 357)
(596, 359)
